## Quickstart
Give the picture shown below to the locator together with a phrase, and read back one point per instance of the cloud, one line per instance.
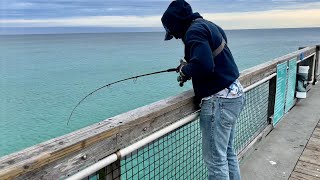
(26, 9)
(97, 21)
(241, 20)
(267, 19)
(16, 5)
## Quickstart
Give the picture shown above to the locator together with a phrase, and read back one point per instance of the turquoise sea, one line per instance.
(43, 77)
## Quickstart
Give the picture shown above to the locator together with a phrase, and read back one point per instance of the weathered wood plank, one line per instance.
(301, 176)
(144, 125)
(38, 157)
(314, 144)
(67, 154)
(293, 178)
(74, 162)
(310, 156)
(308, 169)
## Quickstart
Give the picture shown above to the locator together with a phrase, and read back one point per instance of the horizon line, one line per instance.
(113, 30)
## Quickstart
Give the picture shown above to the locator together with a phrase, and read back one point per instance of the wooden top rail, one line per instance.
(66, 155)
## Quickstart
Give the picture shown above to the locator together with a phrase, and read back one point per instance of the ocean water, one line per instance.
(43, 77)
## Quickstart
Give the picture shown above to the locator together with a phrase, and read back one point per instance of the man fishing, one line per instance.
(210, 65)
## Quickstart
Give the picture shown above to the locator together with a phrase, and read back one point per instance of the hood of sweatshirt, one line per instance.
(177, 19)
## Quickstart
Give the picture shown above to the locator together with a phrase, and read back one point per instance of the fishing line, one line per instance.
(108, 85)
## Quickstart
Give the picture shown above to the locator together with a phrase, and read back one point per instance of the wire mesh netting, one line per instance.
(178, 155)
(174, 156)
(253, 118)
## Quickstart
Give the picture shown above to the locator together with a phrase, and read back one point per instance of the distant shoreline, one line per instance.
(94, 30)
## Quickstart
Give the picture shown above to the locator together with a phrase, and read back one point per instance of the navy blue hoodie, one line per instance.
(201, 37)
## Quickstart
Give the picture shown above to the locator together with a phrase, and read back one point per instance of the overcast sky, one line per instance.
(230, 14)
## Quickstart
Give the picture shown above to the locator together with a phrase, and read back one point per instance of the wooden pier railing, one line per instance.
(66, 155)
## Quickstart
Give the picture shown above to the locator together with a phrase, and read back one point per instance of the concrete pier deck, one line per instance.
(277, 156)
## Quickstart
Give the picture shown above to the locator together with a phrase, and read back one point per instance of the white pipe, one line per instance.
(123, 152)
(308, 56)
(259, 82)
(94, 168)
(305, 58)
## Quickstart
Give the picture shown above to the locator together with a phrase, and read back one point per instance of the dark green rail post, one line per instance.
(272, 98)
(113, 171)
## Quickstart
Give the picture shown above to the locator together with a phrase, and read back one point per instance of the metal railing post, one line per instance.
(317, 64)
(272, 98)
(113, 171)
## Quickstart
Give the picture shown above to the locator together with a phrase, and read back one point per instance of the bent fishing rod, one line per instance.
(108, 85)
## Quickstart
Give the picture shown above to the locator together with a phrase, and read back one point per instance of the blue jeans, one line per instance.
(218, 118)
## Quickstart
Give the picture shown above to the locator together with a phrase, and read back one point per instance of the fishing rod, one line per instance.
(108, 85)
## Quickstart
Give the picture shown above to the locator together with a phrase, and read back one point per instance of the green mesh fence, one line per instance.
(174, 156)
(178, 155)
(254, 117)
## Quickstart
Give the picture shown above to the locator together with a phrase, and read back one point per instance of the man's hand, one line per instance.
(181, 79)
(182, 63)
